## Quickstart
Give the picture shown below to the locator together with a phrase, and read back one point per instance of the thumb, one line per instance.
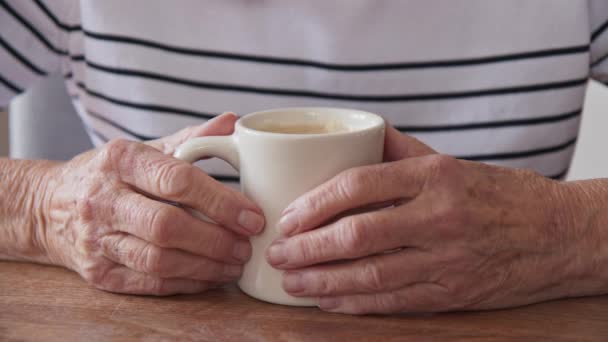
(399, 146)
(220, 125)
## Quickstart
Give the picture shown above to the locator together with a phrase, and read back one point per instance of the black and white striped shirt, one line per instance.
(498, 81)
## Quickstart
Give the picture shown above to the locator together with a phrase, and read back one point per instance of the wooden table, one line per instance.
(53, 304)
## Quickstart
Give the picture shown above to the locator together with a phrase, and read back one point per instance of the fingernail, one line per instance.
(276, 254)
(293, 282)
(251, 221)
(223, 114)
(233, 271)
(242, 251)
(329, 303)
(288, 223)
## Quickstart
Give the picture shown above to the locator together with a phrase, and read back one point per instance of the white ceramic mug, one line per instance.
(276, 168)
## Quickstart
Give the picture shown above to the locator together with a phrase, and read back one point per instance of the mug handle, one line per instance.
(223, 147)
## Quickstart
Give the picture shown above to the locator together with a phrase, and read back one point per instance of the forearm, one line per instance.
(23, 190)
(584, 225)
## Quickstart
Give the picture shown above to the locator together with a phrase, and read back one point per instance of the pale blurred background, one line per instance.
(590, 160)
(3, 133)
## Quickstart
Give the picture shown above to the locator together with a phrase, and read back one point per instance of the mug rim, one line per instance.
(241, 127)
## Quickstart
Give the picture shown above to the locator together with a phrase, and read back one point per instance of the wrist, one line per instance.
(43, 179)
(580, 220)
(25, 187)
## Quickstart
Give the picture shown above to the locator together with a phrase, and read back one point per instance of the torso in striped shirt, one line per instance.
(500, 82)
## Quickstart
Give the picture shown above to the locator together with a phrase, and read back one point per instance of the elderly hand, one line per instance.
(106, 216)
(425, 232)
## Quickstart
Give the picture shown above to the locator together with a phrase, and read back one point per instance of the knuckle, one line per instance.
(114, 244)
(174, 179)
(312, 248)
(153, 261)
(442, 166)
(311, 203)
(132, 256)
(371, 277)
(114, 150)
(304, 249)
(450, 213)
(353, 235)
(325, 285)
(218, 204)
(447, 211)
(161, 229)
(117, 146)
(85, 208)
(350, 180)
(89, 201)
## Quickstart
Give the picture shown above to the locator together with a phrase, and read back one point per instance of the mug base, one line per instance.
(281, 299)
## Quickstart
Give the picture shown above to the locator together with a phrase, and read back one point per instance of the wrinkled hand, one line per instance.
(104, 218)
(450, 235)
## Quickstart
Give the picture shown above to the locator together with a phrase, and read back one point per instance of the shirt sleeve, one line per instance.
(31, 46)
(598, 11)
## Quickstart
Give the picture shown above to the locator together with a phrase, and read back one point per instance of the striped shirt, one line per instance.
(500, 82)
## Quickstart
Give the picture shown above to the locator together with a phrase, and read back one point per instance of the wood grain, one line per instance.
(52, 304)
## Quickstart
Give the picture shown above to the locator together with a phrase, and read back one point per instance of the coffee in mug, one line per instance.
(320, 127)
